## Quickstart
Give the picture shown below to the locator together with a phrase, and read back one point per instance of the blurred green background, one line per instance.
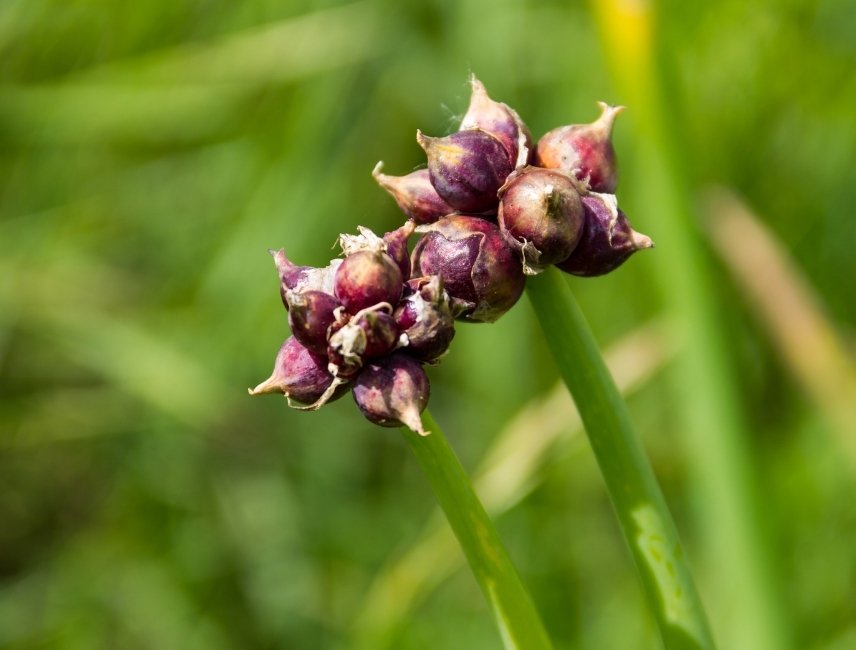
(151, 152)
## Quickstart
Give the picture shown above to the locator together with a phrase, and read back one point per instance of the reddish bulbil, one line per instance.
(381, 333)
(414, 194)
(607, 239)
(369, 334)
(478, 268)
(425, 317)
(298, 373)
(584, 150)
(310, 315)
(393, 391)
(367, 278)
(467, 168)
(500, 120)
(393, 243)
(541, 216)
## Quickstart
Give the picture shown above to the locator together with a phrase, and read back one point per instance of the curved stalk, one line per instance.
(636, 497)
(515, 615)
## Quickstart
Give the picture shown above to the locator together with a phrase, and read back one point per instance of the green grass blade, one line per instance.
(515, 615)
(642, 511)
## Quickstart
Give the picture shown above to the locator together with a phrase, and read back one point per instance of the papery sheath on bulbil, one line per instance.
(425, 318)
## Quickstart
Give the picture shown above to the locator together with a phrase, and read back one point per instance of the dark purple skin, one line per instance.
(310, 315)
(478, 267)
(606, 242)
(425, 316)
(467, 168)
(396, 246)
(298, 373)
(381, 333)
(366, 278)
(498, 119)
(585, 150)
(379, 337)
(393, 391)
(415, 195)
(541, 215)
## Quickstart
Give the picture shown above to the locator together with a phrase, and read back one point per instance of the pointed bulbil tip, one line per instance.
(478, 94)
(413, 421)
(376, 172)
(640, 241)
(603, 124)
(423, 140)
(272, 384)
(406, 229)
(283, 264)
(389, 183)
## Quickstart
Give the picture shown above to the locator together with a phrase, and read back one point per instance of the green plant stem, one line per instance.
(745, 592)
(518, 621)
(638, 501)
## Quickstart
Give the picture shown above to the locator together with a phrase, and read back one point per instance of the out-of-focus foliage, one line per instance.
(151, 152)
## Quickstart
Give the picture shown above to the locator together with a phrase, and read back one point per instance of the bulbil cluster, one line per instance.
(491, 209)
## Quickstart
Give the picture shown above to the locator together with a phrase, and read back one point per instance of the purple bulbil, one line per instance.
(298, 373)
(393, 391)
(367, 278)
(584, 150)
(479, 270)
(607, 239)
(310, 315)
(467, 168)
(500, 120)
(541, 216)
(425, 317)
(369, 334)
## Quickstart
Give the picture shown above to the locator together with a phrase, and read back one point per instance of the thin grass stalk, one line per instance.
(633, 489)
(516, 617)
